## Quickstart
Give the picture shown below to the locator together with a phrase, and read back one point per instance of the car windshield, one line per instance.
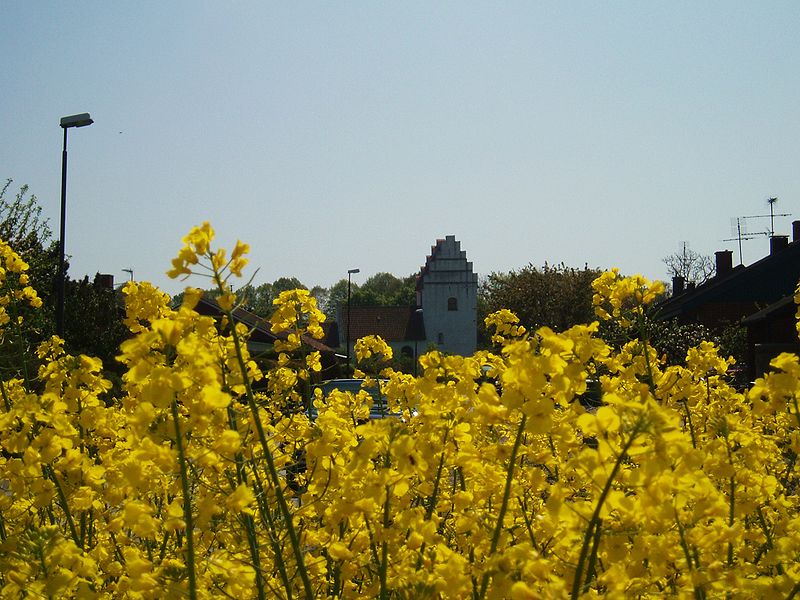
(379, 408)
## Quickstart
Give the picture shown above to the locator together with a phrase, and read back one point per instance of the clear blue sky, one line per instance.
(339, 135)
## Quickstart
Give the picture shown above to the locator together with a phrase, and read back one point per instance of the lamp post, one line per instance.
(349, 273)
(81, 120)
(417, 315)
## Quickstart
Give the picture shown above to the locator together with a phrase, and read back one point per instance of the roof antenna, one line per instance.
(771, 202)
(739, 229)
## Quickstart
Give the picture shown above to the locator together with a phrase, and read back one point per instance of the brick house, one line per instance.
(758, 296)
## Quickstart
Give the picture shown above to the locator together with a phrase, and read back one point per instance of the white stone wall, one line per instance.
(447, 275)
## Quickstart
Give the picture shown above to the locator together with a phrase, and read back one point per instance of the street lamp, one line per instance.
(81, 120)
(417, 316)
(349, 273)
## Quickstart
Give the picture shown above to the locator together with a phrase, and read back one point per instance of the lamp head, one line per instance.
(353, 271)
(81, 120)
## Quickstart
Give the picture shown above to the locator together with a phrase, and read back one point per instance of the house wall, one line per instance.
(721, 314)
(448, 275)
(399, 348)
(768, 337)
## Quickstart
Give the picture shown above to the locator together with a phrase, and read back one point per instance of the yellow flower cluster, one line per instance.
(14, 288)
(372, 345)
(295, 313)
(621, 297)
(797, 302)
(504, 325)
(487, 479)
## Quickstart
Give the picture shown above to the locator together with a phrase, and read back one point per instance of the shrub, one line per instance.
(494, 483)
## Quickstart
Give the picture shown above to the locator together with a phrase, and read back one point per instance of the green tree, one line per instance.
(320, 294)
(24, 229)
(93, 320)
(21, 222)
(284, 284)
(93, 323)
(381, 289)
(28, 233)
(673, 340)
(266, 293)
(554, 296)
(257, 299)
(385, 289)
(337, 296)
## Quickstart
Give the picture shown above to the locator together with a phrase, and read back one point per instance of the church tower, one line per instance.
(447, 292)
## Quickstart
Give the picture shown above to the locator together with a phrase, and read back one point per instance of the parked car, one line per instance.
(592, 398)
(379, 408)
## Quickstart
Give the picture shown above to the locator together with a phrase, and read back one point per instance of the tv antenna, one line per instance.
(739, 226)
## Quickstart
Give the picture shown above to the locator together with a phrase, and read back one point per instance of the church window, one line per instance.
(452, 303)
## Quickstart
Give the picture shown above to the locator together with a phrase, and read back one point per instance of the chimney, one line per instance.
(104, 281)
(795, 231)
(678, 283)
(778, 243)
(724, 262)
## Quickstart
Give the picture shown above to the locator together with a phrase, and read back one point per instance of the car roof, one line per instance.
(378, 409)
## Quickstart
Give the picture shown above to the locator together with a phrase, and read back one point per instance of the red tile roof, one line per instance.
(260, 328)
(392, 323)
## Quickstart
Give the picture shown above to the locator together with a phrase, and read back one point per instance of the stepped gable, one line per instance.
(446, 257)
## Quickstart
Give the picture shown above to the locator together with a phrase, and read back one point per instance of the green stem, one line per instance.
(732, 485)
(83, 528)
(383, 567)
(732, 496)
(643, 341)
(529, 524)
(684, 545)
(335, 567)
(552, 446)
(504, 505)
(162, 551)
(270, 526)
(595, 519)
(372, 547)
(273, 472)
(433, 499)
(117, 550)
(62, 500)
(91, 536)
(591, 570)
(689, 422)
(20, 344)
(40, 554)
(794, 592)
(252, 542)
(796, 409)
(249, 522)
(187, 504)
(6, 400)
(435, 494)
(765, 528)
(698, 592)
